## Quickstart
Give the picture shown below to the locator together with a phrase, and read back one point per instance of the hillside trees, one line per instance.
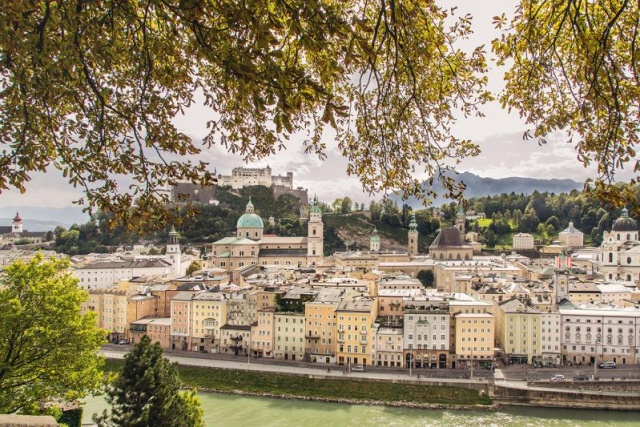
(91, 89)
(574, 68)
(48, 349)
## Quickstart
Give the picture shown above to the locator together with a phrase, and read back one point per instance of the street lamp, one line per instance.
(595, 356)
(410, 357)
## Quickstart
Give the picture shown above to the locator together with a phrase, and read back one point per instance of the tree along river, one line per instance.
(233, 410)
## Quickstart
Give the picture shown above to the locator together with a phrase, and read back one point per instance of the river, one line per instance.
(243, 411)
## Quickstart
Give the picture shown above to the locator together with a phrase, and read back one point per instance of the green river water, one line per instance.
(241, 411)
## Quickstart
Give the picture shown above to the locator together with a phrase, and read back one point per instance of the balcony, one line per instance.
(312, 337)
(236, 338)
(341, 339)
(363, 332)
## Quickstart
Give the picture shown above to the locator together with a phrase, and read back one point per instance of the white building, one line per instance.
(619, 254)
(105, 274)
(243, 177)
(600, 334)
(571, 237)
(523, 241)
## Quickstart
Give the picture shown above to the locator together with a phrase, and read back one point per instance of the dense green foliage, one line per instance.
(525, 213)
(93, 89)
(226, 380)
(48, 349)
(426, 277)
(541, 214)
(147, 393)
(574, 67)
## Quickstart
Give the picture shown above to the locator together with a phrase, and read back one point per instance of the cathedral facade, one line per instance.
(250, 246)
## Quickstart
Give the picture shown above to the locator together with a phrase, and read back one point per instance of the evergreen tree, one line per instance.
(426, 277)
(147, 393)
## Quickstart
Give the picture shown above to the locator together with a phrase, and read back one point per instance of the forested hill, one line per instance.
(540, 213)
(477, 186)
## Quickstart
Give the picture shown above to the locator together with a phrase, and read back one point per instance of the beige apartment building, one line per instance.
(263, 336)
(388, 346)
(522, 241)
(111, 309)
(355, 318)
(289, 335)
(181, 320)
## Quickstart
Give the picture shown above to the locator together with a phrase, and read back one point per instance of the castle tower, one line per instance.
(413, 236)
(174, 253)
(374, 244)
(315, 234)
(16, 226)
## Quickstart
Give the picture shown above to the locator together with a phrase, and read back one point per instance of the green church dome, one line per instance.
(250, 219)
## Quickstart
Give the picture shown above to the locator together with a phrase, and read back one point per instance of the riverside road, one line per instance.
(513, 375)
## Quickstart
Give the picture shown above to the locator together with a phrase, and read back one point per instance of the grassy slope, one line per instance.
(266, 382)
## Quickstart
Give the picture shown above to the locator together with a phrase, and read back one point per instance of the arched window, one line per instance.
(628, 277)
(628, 260)
(610, 256)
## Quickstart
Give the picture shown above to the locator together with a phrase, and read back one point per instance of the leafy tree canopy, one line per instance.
(91, 88)
(575, 69)
(147, 393)
(48, 349)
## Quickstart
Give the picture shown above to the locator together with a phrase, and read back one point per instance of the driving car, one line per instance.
(607, 365)
(581, 377)
(357, 368)
(557, 378)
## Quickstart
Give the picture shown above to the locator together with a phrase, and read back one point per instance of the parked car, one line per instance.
(357, 368)
(123, 342)
(557, 378)
(607, 365)
(581, 377)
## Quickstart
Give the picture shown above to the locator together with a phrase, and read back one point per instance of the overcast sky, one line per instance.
(499, 134)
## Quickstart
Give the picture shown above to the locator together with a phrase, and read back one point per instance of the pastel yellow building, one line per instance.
(320, 319)
(111, 309)
(474, 339)
(518, 331)
(209, 315)
(355, 319)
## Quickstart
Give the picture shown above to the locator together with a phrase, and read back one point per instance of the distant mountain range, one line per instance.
(477, 186)
(43, 219)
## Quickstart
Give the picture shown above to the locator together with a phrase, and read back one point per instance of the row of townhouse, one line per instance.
(393, 323)
(336, 326)
(568, 334)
